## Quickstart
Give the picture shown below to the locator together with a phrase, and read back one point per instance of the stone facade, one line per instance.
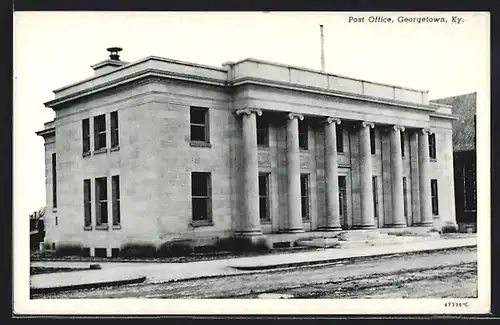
(156, 157)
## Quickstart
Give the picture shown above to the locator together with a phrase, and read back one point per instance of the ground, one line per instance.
(440, 274)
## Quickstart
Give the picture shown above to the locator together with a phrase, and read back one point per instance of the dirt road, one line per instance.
(450, 274)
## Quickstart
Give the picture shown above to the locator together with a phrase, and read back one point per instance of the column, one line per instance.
(331, 175)
(365, 171)
(424, 178)
(293, 173)
(398, 218)
(250, 223)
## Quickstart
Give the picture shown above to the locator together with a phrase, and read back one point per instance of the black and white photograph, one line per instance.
(251, 163)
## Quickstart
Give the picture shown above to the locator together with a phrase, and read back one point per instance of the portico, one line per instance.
(326, 127)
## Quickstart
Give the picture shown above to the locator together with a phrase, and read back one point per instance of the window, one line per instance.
(372, 140)
(434, 197)
(402, 144)
(304, 195)
(115, 252)
(405, 199)
(303, 138)
(469, 177)
(201, 196)
(262, 132)
(199, 124)
(115, 142)
(86, 136)
(87, 203)
(100, 252)
(99, 132)
(340, 139)
(101, 196)
(375, 196)
(432, 146)
(54, 181)
(342, 196)
(264, 197)
(115, 193)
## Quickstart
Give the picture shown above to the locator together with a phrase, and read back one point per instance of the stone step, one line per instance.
(389, 240)
(359, 235)
(318, 242)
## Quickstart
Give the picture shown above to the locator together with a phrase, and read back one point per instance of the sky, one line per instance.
(54, 49)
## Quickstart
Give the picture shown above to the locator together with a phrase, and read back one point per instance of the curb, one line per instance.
(331, 260)
(87, 285)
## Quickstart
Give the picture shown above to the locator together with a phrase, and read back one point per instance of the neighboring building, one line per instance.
(160, 149)
(464, 156)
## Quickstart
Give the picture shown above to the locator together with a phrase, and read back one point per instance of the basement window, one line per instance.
(100, 252)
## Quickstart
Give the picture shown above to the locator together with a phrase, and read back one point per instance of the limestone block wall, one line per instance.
(442, 170)
(51, 228)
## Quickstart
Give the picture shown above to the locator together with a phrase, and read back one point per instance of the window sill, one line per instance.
(101, 227)
(265, 221)
(86, 154)
(54, 209)
(117, 227)
(433, 159)
(114, 148)
(305, 150)
(263, 147)
(200, 144)
(87, 227)
(201, 223)
(341, 153)
(99, 151)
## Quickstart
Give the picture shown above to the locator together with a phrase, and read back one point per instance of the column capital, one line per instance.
(398, 128)
(425, 130)
(367, 124)
(291, 116)
(249, 111)
(331, 119)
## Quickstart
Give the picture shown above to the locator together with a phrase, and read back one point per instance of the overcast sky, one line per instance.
(53, 49)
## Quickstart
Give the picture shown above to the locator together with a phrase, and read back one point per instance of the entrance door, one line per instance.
(343, 201)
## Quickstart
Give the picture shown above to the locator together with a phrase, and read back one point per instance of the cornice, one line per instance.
(330, 92)
(445, 116)
(153, 72)
(47, 132)
(146, 73)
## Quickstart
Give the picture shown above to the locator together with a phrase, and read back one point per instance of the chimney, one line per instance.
(110, 64)
(322, 48)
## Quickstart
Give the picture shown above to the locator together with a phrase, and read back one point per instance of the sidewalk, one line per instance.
(166, 272)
